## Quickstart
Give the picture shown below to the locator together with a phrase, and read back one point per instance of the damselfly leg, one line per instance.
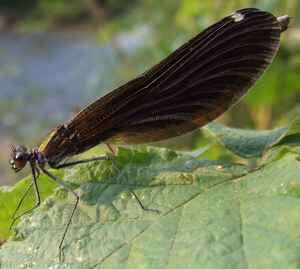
(15, 217)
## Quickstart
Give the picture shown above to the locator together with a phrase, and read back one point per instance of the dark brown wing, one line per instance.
(192, 86)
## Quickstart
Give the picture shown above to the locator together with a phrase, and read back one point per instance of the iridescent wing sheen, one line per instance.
(189, 88)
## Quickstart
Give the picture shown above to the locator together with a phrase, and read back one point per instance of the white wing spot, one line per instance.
(237, 16)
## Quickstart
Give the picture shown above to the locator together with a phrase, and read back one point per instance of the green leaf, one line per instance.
(289, 142)
(292, 134)
(212, 215)
(250, 143)
(10, 196)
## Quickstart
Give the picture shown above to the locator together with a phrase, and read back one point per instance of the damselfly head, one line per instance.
(19, 157)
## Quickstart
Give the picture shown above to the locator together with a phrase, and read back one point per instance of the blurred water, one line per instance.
(48, 73)
(42, 77)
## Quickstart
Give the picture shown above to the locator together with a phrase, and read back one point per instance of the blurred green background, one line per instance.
(58, 55)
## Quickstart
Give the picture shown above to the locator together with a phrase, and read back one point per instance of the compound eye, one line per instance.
(17, 165)
(20, 156)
